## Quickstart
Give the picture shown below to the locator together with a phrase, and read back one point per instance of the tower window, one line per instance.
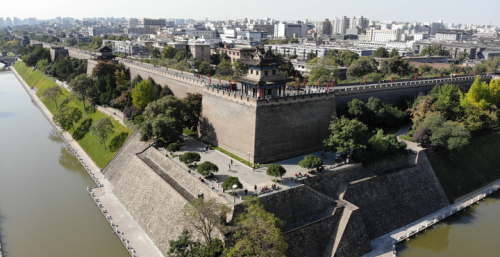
(266, 73)
(256, 72)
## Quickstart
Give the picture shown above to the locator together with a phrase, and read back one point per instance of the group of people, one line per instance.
(265, 188)
(300, 175)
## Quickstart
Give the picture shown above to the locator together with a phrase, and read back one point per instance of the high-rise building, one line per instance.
(133, 22)
(151, 23)
(288, 30)
(339, 25)
(2, 23)
(58, 20)
(360, 22)
(9, 21)
(323, 27)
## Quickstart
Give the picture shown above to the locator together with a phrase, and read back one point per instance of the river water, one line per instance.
(44, 206)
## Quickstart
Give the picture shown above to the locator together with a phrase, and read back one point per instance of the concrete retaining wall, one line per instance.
(391, 201)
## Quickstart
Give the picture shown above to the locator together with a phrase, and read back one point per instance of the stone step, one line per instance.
(163, 174)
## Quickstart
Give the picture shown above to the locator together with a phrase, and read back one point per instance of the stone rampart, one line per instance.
(312, 239)
(228, 124)
(329, 183)
(354, 241)
(297, 204)
(394, 93)
(390, 201)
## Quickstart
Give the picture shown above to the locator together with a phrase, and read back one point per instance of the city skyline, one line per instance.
(427, 10)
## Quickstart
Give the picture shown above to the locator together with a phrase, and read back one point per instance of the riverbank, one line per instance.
(385, 245)
(139, 242)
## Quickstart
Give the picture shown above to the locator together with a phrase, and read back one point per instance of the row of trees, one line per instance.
(446, 117)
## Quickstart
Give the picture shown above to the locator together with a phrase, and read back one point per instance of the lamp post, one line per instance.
(234, 195)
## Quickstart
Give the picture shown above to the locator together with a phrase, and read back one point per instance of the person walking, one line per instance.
(255, 187)
(246, 191)
(231, 161)
(229, 167)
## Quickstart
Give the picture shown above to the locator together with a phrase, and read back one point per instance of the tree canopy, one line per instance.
(310, 162)
(347, 135)
(275, 170)
(206, 168)
(144, 94)
(101, 129)
(230, 181)
(381, 52)
(190, 157)
(164, 118)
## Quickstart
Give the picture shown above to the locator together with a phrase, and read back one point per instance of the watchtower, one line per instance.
(263, 79)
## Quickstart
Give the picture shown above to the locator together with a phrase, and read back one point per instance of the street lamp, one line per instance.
(234, 195)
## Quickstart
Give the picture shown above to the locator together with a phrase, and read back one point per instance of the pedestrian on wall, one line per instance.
(231, 161)
(255, 188)
(246, 191)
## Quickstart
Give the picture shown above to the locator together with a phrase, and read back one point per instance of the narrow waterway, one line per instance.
(44, 207)
(472, 232)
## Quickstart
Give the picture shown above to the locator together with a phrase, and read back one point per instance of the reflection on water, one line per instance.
(54, 136)
(472, 232)
(435, 239)
(44, 207)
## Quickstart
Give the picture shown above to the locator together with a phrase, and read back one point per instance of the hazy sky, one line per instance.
(457, 11)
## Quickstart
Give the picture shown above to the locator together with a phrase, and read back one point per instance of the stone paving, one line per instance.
(248, 177)
(137, 241)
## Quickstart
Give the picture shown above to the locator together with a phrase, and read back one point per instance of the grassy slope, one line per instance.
(89, 143)
(471, 168)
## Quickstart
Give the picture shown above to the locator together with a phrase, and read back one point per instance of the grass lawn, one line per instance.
(477, 165)
(89, 143)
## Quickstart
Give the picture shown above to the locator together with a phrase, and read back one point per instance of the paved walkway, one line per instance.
(138, 242)
(384, 245)
(245, 174)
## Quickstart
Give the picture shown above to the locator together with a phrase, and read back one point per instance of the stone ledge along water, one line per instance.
(131, 235)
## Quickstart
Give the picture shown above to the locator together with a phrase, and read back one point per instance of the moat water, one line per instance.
(44, 207)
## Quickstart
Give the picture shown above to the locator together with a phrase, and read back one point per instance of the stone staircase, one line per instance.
(163, 174)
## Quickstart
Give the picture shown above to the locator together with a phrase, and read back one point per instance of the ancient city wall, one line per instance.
(292, 126)
(354, 241)
(394, 93)
(390, 201)
(228, 124)
(312, 239)
(296, 204)
(329, 183)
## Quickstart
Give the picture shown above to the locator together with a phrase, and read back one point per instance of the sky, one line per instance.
(456, 11)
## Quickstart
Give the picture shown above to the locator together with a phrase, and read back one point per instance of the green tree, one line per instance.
(173, 147)
(121, 80)
(311, 56)
(67, 117)
(394, 52)
(240, 68)
(347, 135)
(155, 52)
(169, 52)
(143, 94)
(164, 118)
(136, 81)
(258, 233)
(363, 66)
(381, 52)
(451, 135)
(81, 87)
(275, 170)
(193, 111)
(206, 68)
(434, 50)
(311, 162)
(294, 41)
(101, 129)
(96, 42)
(42, 64)
(206, 168)
(64, 68)
(230, 181)
(185, 247)
(348, 57)
(205, 216)
(182, 55)
(53, 93)
(396, 65)
(103, 69)
(189, 157)
(225, 68)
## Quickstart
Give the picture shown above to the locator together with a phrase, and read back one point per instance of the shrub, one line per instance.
(230, 181)
(139, 119)
(207, 168)
(311, 161)
(275, 170)
(189, 157)
(173, 147)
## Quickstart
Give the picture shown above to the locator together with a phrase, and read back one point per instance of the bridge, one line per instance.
(8, 60)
